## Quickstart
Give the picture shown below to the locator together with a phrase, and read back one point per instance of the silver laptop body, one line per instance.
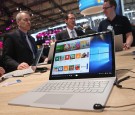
(50, 55)
(38, 56)
(82, 74)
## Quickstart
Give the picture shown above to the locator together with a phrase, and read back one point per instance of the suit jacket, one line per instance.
(64, 34)
(16, 50)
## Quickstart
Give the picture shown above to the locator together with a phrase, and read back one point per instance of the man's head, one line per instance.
(70, 20)
(109, 7)
(23, 21)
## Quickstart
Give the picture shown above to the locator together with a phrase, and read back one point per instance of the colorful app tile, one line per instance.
(71, 67)
(55, 69)
(72, 56)
(62, 58)
(60, 48)
(85, 55)
(67, 47)
(67, 57)
(77, 67)
(87, 43)
(57, 58)
(77, 45)
(78, 55)
(72, 46)
(60, 68)
(83, 44)
(66, 68)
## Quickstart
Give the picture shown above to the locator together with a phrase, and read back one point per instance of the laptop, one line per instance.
(29, 70)
(50, 55)
(82, 74)
(118, 42)
(38, 56)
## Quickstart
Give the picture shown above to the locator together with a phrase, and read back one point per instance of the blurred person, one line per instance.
(19, 47)
(71, 31)
(120, 24)
(88, 29)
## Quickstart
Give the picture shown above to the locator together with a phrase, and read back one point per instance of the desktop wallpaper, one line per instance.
(101, 54)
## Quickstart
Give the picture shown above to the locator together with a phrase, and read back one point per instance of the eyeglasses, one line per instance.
(72, 18)
(105, 8)
(26, 19)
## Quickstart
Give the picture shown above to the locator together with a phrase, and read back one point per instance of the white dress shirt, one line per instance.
(70, 33)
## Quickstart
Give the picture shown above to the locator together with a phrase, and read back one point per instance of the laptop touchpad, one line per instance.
(58, 99)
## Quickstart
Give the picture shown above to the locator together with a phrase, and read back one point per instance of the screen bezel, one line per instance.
(85, 75)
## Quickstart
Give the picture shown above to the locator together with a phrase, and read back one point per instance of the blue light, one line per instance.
(99, 57)
(83, 4)
(99, 53)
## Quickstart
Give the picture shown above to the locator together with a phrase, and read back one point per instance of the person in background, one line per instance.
(71, 31)
(120, 24)
(88, 30)
(19, 47)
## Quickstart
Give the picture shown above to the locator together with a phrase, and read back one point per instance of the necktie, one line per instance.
(72, 34)
(30, 45)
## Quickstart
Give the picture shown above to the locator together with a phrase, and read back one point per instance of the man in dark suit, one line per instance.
(70, 31)
(19, 48)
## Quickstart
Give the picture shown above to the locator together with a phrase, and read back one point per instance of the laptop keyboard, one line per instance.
(74, 87)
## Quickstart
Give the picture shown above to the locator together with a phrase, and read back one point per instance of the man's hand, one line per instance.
(2, 71)
(23, 65)
(126, 46)
(46, 60)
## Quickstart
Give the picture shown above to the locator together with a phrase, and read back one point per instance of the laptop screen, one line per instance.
(90, 56)
(38, 56)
